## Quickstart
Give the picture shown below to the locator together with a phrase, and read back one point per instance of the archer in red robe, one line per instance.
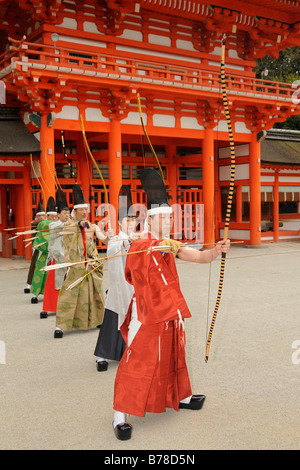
(152, 374)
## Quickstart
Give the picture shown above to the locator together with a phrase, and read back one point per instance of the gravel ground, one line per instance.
(53, 398)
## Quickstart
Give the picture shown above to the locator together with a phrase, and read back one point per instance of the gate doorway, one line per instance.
(15, 210)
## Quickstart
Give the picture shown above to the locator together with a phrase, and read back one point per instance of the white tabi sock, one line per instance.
(186, 400)
(28, 286)
(119, 418)
(100, 359)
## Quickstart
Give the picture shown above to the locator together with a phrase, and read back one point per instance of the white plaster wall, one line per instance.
(241, 172)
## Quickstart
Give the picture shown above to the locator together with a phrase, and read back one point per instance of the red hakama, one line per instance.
(50, 293)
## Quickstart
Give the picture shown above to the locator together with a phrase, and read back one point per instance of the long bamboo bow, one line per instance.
(148, 138)
(230, 195)
(37, 178)
(98, 169)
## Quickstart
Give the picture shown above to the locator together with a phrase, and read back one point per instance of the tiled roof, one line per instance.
(16, 139)
(281, 147)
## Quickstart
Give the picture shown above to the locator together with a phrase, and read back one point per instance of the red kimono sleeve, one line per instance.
(156, 284)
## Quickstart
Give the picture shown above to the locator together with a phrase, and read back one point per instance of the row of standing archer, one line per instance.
(63, 238)
(148, 336)
(70, 239)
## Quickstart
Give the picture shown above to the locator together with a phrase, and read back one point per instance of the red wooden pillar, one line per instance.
(172, 171)
(3, 197)
(84, 171)
(276, 208)
(255, 197)
(172, 176)
(47, 159)
(6, 249)
(208, 185)
(239, 204)
(27, 207)
(19, 218)
(114, 165)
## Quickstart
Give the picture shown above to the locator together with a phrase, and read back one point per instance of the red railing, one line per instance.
(112, 66)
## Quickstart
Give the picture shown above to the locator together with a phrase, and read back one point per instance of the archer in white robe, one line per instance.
(110, 343)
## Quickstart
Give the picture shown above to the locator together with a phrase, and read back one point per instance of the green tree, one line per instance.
(285, 69)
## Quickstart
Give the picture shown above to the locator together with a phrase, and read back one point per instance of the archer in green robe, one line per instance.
(41, 244)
